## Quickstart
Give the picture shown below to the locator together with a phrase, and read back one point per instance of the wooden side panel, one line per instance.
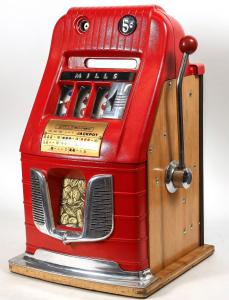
(173, 218)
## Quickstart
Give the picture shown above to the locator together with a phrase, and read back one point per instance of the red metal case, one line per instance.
(123, 152)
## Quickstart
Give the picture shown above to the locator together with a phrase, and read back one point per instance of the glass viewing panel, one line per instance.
(64, 100)
(111, 101)
(82, 101)
(100, 102)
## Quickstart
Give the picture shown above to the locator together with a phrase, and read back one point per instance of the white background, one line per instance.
(25, 35)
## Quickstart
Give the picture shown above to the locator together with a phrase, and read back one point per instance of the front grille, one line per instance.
(37, 199)
(98, 217)
(99, 208)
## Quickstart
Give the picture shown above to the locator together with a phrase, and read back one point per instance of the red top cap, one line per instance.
(188, 44)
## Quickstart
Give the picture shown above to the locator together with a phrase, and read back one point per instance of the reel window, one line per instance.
(64, 100)
(82, 101)
(111, 101)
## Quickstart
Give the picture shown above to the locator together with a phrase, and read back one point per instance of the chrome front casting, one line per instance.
(96, 270)
(98, 216)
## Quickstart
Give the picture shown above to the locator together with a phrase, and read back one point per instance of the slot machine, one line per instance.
(112, 155)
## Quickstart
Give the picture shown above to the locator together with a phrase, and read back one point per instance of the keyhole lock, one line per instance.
(177, 175)
(83, 25)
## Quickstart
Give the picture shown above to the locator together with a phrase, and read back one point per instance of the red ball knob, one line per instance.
(188, 44)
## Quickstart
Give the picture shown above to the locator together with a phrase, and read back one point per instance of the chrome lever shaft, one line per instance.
(181, 164)
(177, 175)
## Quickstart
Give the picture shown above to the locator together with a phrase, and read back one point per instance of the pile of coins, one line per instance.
(72, 202)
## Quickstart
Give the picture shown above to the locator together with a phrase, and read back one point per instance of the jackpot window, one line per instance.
(72, 202)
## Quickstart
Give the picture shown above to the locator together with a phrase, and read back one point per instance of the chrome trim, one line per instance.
(43, 216)
(41, 204)
(96, 270)
(121, 91)
(100, 209)
(187, 178)
(173, 165)
(169, 172)
(180, 109)
(169, 176)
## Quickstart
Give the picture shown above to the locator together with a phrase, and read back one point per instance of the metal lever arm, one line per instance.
(177, 175)
(188, 45)
(180, 78)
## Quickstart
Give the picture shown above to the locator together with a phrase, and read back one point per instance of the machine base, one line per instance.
(163, 277)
